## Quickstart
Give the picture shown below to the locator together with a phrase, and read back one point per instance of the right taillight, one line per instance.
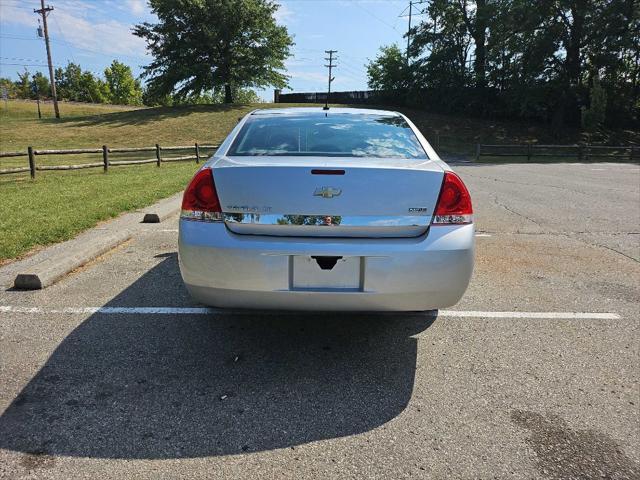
(200, 201)
(454, 203)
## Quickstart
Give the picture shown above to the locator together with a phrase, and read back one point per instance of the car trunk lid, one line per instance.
(328, 197)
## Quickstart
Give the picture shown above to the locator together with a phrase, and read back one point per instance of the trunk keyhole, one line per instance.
(326, 263)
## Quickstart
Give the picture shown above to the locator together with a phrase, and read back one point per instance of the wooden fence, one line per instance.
(106, 162)
(580, 152)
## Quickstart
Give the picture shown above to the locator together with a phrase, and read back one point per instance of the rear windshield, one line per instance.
(336, 135)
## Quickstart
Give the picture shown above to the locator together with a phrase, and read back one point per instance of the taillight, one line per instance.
(200, 201)
(454, 204)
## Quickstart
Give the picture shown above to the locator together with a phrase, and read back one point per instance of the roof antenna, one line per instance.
(331, 66)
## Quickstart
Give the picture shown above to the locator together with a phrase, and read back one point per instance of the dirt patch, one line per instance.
(564, 453)
(37, 460)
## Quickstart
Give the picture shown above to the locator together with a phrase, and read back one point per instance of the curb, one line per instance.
(51, 264)
(57, 266)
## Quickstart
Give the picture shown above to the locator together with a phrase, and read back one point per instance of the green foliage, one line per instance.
(9, 85)
(594, 115)
(43, 85)
(123, 88)
(68, 83)
(214, 45)
(517, 58)
(23, 85)
(440, 47)
(245, 96)
(94, 90)
(388, 72)
(242, 96)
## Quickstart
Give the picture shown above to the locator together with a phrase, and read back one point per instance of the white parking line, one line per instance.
(543, 315)
(207, 311)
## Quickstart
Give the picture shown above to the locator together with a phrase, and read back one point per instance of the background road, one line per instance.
(274, 395)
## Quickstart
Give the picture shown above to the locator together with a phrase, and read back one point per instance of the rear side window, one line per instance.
(337, 135)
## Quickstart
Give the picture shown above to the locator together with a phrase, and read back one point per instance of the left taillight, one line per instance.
(200, 201)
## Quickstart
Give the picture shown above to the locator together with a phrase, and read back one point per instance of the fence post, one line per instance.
(157, 154)
(477, 152)
(529, 152)
(587, 152)
(32, 162)
(105, 157)
(197, 153)
(631, 150)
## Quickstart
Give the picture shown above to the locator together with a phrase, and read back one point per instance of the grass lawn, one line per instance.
(58, 205)
(94, 126)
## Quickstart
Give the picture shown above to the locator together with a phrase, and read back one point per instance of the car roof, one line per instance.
(320, 110)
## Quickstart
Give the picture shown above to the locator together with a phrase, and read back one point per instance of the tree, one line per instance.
(93, 89)
(477, 22)
(74, 84)
(517, 58)
(123, 88)
(9, 85)
(43, 86)
(204, 98)
(593, 116)
(68, 82)
(203, 45)
(23, 85)
(388, 72)
(440, 47)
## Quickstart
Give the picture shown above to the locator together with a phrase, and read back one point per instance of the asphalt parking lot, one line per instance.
(135, 393)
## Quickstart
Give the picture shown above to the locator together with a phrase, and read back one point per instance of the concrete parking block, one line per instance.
(75, 255)
(163, 209)
(49, 265)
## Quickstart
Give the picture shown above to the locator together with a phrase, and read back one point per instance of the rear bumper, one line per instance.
(227, 270)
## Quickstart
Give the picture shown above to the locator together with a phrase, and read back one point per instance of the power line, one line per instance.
(377, 18)
(24, 64)
(84, 49)
(23, 59)
(16, 37)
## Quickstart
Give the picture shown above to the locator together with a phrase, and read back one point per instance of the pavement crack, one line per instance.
(571, 235)
(605, 246)
(537, 185)
(515, 212)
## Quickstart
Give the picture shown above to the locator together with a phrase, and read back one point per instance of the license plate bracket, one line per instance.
(305, 273)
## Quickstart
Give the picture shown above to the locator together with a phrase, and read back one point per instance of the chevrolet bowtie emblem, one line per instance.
(327, 192)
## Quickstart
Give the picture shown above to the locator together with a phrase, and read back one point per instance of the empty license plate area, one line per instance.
(325, 273)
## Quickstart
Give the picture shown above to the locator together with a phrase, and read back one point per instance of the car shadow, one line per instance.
(143, 116)
(159, 386)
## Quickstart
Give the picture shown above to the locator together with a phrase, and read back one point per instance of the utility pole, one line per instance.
(420, 12)
(331, 79)
(44, 11)
(408, 31)
(35, 87)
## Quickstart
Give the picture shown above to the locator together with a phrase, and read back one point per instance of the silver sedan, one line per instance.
(340, 209)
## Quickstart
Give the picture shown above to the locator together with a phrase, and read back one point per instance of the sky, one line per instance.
(94, 32)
